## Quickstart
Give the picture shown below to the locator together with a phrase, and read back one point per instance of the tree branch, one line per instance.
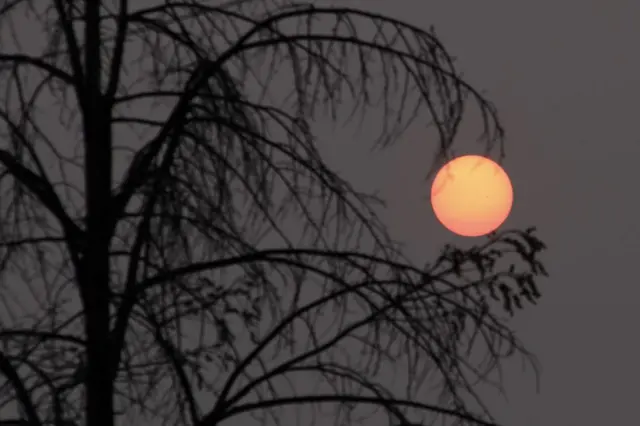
(21, 391)
(339, 399)
(42, 189)
(21, 59)
(118, 50)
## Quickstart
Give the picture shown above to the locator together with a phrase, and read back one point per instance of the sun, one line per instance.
(471, 195)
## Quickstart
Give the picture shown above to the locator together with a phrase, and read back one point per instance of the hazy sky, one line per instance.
(564, 75)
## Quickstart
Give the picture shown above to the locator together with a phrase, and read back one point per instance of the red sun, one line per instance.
(471, 195)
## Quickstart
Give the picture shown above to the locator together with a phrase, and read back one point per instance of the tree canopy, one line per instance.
(175, 249)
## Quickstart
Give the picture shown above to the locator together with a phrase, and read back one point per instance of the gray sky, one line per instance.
(564, 76)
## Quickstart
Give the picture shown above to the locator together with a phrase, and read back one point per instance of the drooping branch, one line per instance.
(206, 68)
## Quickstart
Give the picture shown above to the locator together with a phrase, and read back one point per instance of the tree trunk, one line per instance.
(95, 280)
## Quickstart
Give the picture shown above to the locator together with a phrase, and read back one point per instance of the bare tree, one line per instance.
(175, 250)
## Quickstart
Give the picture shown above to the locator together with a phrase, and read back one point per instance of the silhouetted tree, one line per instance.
(199, 278)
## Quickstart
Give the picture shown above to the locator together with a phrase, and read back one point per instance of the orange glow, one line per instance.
(471, 195)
